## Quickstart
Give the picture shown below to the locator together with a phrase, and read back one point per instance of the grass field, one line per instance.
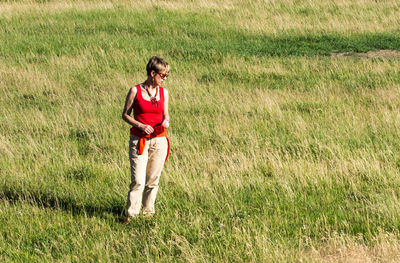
(281, 152)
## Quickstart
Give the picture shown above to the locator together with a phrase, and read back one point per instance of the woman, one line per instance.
(149, 144)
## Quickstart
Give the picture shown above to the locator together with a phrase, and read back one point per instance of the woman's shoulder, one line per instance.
(133, 90)
(137, 88)
(164, 90)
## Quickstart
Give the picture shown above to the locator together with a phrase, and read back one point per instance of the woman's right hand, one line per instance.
(147, 129)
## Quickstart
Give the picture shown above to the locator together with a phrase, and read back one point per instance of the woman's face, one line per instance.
(160, 77)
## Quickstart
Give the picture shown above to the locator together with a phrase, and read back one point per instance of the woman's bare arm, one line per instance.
(165, 113)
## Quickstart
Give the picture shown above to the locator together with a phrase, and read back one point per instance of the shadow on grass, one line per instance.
(114, 208)
(195, 38)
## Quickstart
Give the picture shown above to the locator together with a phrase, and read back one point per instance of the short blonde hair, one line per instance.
(157, 64)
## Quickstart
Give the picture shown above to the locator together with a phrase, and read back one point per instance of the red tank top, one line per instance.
(148, 112)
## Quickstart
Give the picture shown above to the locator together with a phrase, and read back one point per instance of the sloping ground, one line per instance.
(278, 154)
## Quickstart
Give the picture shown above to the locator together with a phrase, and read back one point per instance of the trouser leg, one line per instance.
(138, 165)
(157, 154)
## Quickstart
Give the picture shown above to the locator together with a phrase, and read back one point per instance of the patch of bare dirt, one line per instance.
(384, 53)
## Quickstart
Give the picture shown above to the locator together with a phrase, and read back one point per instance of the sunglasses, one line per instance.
(163, 76)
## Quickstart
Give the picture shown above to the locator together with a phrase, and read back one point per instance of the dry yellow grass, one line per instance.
(272, 17)
(348, 249)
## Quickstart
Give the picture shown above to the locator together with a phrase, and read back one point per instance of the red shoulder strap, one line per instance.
(161, 93)
(138, 91)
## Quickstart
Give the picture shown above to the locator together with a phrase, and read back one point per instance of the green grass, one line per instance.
(280, 152)
(186, 37)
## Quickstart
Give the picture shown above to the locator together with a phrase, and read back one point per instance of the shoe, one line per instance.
(127, 220)
(148, 212)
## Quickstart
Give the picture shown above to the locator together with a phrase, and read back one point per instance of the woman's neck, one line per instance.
(149, 84)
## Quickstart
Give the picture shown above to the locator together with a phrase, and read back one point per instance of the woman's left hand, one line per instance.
(165, 124)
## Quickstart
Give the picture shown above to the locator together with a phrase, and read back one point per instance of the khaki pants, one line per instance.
(145, 174)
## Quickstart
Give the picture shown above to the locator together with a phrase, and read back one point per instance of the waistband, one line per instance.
(142, 138)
